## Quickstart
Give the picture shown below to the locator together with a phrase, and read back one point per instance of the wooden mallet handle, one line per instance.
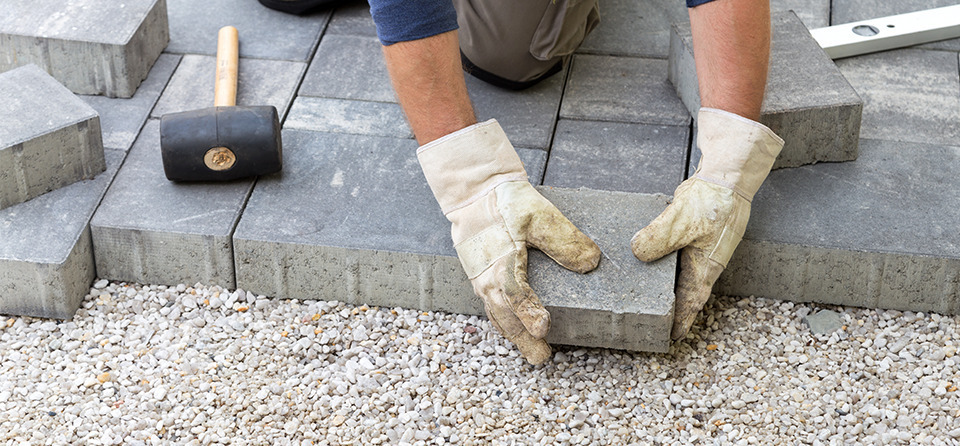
(228, 54)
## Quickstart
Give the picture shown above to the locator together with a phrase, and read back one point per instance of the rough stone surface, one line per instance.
(259, 82)
(122, 119)
(879, 232)
(846, 11)
(264, 33)
(90, 46)
(150, 230)
(368, 230)
(617, 156)
(46, 257)
(48, 137)
(808, 102)
(823, 322)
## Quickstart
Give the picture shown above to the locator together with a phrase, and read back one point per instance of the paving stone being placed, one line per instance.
(264, 33)
(90, 46)
(618, 156)
(621, 89)
(846, 11)
(259, 82)
(808, 102)
(121, 119)
(908, 95)
(151, 230)
(354, 220)
(48, 137)
(880, 232)
(46, 257)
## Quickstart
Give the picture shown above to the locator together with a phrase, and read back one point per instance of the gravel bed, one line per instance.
(203, 365)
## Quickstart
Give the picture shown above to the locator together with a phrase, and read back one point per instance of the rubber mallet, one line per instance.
(225, 142)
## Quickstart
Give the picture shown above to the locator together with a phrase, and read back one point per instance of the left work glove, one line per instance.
(710, 210)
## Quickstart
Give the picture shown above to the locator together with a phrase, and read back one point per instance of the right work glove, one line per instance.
(479, 181)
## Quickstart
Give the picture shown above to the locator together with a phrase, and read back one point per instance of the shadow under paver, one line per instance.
(908, 95)
(90, 46)
(46, 256)
(808, 102)
(151, 230)
(48, 137)
(122, 119)
(618, 156)
(264, 33)
(880, 232)
(354, 220)
(846, 11)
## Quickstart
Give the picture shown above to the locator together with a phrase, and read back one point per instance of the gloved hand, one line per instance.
(710, 210)
(482, 188)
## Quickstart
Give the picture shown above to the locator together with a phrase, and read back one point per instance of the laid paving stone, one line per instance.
(354, 220)
(46, 257)
(348, 116)
(808, 102)
(878, 233)
(264, 33)
(90, 46)
(150, 230)
(48, 137)
(908, 95)
(846, 11)
(352, 19)
(823, 322)
(621, 89)
(121, 119)
(618, 156)
(349, 67)
(260, 82)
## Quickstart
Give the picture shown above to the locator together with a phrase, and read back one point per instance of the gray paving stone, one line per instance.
(618, 156)
(352, 19)
(48, 137)
(150, 230)
(808, 102)
(365, 228)
(348, 67)
(90, 46)
(264, 33)
(260, 82)
(908, 95)
(121, 119)
(846, 11)
(348, 116)
(621, 89)
(813, 13)
(46, 257)
(880, 232)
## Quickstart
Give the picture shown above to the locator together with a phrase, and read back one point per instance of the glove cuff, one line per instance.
(465, 165)
(736, 152)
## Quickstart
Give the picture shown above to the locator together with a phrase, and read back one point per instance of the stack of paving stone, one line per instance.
(55, 160)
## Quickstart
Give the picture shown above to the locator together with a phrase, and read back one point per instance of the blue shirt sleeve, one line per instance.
(405, 20)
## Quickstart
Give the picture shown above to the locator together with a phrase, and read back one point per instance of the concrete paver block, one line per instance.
(348, 116)
(354, 220)
(352, 18)
(908, 95)
(122, 119)
(264, 33)
(46, 257)
(260, 82)
(618, 156)
(880, 232)
(846, 11)
(808, 102)
(48, 137)
(621, 89)
(90, 46)
(150, 230)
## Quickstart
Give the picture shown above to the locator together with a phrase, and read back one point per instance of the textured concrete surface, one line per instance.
(348, 67)
(150, 230)
(352, 18)
(366, 229)
(46, 257)
(347, 116)
(808, 102)
(880, 232)
(264, 33)
(618, 157)
(260, 82)
(846, 11)
(90, 46)
(121, 119)
(48, 137)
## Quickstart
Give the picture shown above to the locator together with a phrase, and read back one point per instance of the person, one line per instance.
(479, 181)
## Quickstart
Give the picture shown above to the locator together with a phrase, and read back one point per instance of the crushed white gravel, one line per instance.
(204, 365)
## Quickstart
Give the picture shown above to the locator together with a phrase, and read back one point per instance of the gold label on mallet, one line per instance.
(219, 158)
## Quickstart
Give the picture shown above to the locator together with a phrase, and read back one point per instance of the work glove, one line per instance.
(495, 213)
(710, 210)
